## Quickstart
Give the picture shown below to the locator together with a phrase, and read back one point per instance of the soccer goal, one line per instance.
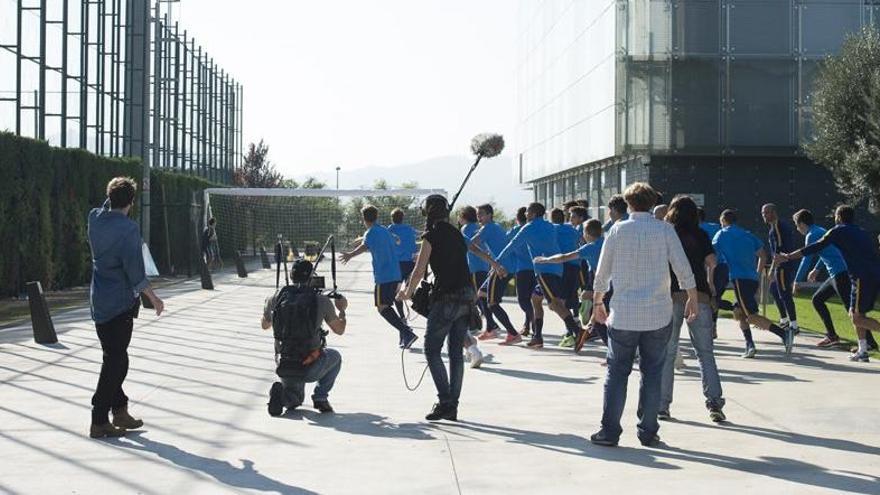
(250, 218)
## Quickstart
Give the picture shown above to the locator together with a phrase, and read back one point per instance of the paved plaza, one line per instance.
(200, 375)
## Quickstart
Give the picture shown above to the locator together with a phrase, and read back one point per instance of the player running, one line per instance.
(568, 239)
(781, 237)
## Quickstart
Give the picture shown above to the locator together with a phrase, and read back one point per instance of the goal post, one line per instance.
(250, 218)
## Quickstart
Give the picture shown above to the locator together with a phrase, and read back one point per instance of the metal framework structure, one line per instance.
(119, 79)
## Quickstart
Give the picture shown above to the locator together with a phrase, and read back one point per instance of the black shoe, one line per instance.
(443, 411)
(323, 406)
(600, 438)
(650, 442)
(275, 406)
(716, 415)
(664, 415)
(409, 339)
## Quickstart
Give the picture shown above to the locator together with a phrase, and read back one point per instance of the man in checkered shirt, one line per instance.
(636, 257)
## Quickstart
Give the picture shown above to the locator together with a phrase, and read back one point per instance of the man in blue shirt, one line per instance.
(745, 257)
(525, 274)
(406, 250)
(838, 281)
(781, 239)
(386, 271)
(863, 264)
(569, 240)
(540, 238)
(118, 280)
(478, 267)
(721, 274)
(589, 254)
(616, 211)
(494, 238)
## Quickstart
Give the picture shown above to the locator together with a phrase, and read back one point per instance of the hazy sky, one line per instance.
(363, 82)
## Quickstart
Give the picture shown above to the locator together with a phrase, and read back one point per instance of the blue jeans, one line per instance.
(622, 345)
(700, 331)
(450, 317)
(324, 370)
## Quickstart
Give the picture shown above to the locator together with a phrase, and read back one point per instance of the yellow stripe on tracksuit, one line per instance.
(858, 297)
(545, 287)
(740, 299)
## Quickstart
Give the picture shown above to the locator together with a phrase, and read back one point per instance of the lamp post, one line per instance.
(337, 177)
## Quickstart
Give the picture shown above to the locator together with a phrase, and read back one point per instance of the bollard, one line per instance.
(207, 282)
(41, 320)
(264, 258)
(239, 265)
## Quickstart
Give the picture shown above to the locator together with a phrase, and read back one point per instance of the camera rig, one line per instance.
(319, 283)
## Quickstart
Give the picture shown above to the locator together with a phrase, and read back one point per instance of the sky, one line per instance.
(354, 83)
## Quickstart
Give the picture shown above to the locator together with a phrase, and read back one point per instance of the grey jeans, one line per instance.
(700, 331)
(323, 371)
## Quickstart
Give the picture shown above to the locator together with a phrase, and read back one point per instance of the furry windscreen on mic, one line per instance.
(487, 145)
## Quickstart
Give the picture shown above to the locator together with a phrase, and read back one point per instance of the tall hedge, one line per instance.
(45, 196)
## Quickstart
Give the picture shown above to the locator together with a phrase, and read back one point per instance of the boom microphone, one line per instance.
(484, 145)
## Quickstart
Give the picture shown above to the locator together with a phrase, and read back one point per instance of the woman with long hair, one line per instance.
(452, 303)
(684, 216)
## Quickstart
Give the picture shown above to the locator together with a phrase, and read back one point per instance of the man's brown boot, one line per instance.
(122, 419)
(105, 430)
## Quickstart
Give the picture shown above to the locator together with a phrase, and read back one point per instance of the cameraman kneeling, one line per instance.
(295, 314)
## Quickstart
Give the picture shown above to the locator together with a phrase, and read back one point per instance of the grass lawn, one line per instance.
(808, 319)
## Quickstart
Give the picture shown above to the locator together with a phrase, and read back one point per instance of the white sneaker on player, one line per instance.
(476, 357)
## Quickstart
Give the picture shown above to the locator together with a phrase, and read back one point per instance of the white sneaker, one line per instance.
(860, 357)
(476, 357)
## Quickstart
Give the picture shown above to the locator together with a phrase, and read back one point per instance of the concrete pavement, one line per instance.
(200, 375)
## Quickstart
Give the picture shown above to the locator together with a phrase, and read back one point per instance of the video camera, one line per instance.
(319, 283)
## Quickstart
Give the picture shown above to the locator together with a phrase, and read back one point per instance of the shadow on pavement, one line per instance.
(537, 376)
(368, 424)
(245, 477)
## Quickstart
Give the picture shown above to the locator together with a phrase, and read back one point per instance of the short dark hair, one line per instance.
(804, 216)
(729, 216)
(583, 203)
(121, 191)
(211, 221)
(617, 203)
(397, 215)
(593, 228)
(580, 211)
(521, 214)
(537, 209)
(846, 213)
(469, 213)
(487, 209)
(557, 215)
(301, 271)
(370, 213)
(569, 204)
(640, 196)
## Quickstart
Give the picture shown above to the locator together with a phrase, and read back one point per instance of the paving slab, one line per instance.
(200, 374)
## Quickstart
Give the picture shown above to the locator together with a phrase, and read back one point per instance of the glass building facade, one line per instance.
(708, 97)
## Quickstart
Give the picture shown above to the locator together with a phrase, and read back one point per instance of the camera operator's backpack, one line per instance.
(294, 324)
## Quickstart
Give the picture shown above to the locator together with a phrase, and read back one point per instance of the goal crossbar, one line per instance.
(323, 193)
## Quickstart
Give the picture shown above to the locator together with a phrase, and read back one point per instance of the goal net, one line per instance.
(248, 219)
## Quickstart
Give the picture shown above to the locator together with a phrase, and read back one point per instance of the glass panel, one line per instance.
(696, 103)
(760, 27)
(824, 27)
(762, 96)
(696, 28)
(647, 106)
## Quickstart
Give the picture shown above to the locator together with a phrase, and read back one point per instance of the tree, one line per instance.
(257, 170)
(846, 109)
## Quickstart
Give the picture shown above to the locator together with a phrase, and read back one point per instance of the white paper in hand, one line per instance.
(149, 264)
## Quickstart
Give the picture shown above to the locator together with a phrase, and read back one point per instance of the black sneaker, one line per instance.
(664, 415)
(409, 339)
(443, 411)
(650, 442)
(323, 406)
(601, 438)
(536, 342)
(716, 415)
(275, 406)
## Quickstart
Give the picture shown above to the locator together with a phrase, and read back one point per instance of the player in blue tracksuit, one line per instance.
(540, 237)
(495, 239)
(589, 254)
(744, 254)
(479, 268)
(721, 274)
(569, 240)
(617, 211)
(525, 274)
(406, 250)
(386, 271)
(781, 240)
(863, 263)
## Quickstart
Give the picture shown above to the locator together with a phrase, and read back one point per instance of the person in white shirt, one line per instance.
(636, 256)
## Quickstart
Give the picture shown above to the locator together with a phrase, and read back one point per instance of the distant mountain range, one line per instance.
(493, 181)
